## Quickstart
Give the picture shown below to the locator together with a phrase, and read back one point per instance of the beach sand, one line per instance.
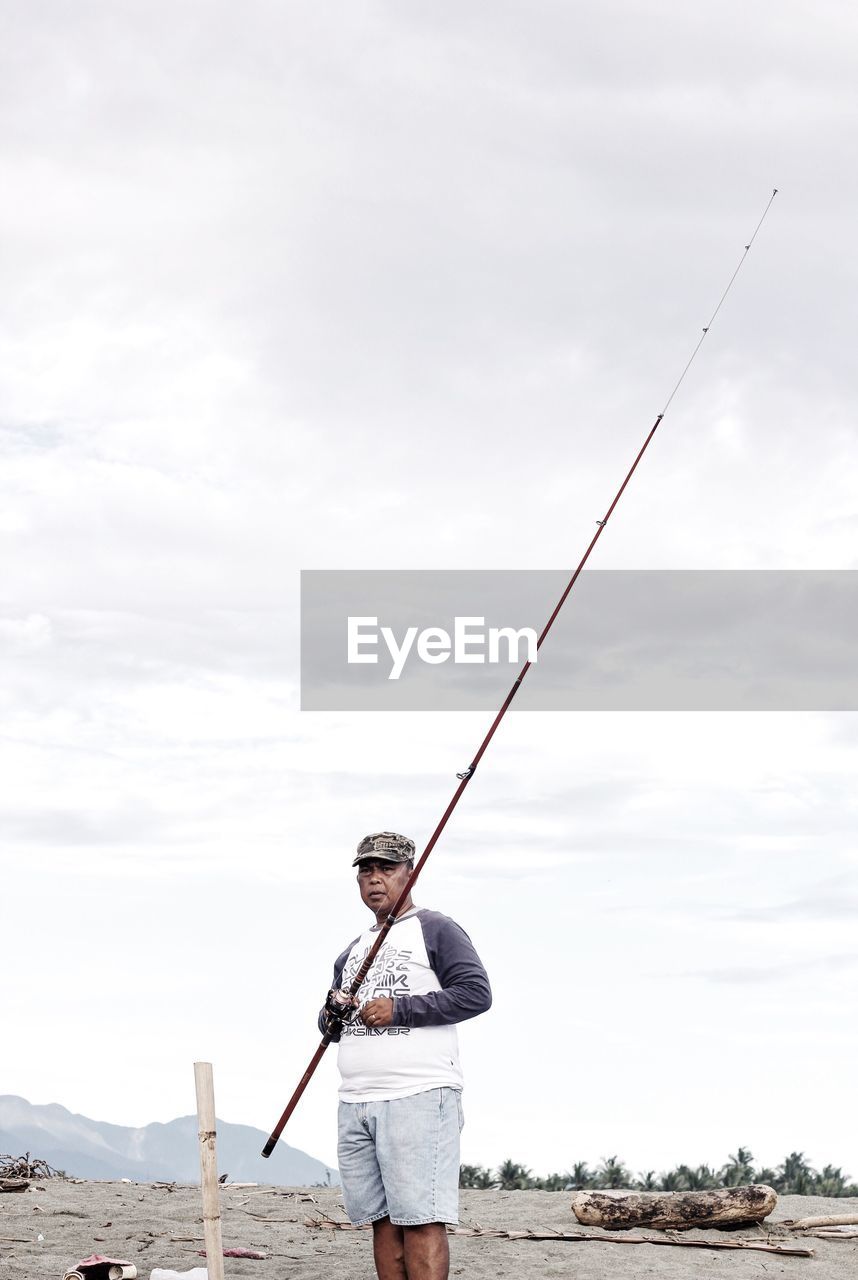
(152, 1226)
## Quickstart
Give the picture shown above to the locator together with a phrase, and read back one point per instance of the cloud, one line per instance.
(835, 899)
(384, 287)
(783, 972)
(60, 828)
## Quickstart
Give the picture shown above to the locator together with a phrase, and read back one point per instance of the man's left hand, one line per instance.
(377, 1013)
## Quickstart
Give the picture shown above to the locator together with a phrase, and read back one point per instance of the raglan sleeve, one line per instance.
(465, 990)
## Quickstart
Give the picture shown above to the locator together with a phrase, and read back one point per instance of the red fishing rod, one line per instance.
(335, 1018)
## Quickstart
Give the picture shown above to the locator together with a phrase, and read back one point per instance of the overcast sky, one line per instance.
(399, 285)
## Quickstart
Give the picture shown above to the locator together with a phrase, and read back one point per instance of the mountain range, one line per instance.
(169, 1152)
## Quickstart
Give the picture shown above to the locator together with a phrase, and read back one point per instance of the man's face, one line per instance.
(381, 882)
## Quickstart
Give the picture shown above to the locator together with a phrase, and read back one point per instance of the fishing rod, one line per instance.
(337, 1010)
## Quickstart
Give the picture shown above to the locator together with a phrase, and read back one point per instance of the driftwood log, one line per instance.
(829, 1220)
(674, 1210)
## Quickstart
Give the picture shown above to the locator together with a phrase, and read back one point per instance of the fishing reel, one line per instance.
(339, 1009)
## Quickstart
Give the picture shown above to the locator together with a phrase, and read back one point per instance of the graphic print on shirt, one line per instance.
(388, 976)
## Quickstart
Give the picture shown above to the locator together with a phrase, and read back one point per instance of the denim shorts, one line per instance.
(399, 1159)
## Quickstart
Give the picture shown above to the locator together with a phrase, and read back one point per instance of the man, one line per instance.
(400, 1110)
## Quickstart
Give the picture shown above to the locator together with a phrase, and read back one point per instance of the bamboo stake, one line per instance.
(208, 1169)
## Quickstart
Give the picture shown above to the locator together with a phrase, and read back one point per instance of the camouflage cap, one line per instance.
(388, 846)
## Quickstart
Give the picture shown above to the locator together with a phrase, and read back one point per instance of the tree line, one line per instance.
(794, 1176)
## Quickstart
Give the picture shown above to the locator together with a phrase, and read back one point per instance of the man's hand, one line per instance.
(340, 1007)
(377, 1013)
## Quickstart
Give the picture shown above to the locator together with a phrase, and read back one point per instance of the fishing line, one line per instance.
(708, 326)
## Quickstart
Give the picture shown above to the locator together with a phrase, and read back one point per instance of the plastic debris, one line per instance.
(99, 1267)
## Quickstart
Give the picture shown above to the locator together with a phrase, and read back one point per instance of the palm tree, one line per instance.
(554, 1182)
(739, 1169)
(513, 1177)
(699, 1179)
(795, 1175)
(831, 1182)
(613, 1173)
(580, 1176)
(474, 1175)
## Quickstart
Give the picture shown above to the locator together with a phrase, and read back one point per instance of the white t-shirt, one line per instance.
(429, 966)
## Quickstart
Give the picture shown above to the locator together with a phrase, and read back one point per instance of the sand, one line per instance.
(155, 1227)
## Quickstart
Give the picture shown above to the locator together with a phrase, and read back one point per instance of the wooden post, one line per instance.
(208, 1169)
